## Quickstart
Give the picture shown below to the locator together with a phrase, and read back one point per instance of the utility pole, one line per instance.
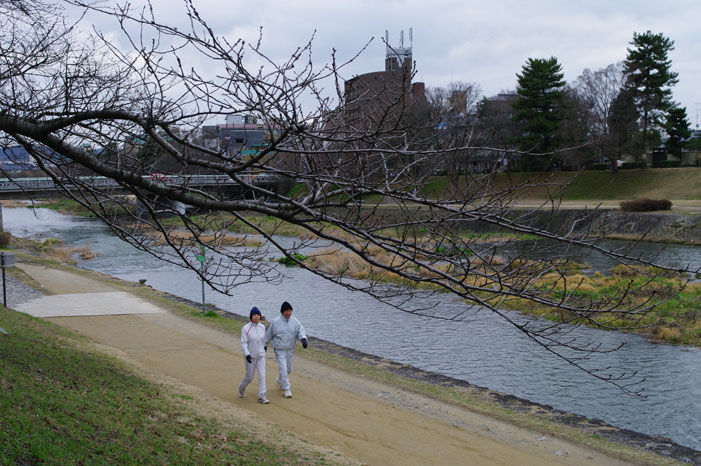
(7, 259)
(201, 258)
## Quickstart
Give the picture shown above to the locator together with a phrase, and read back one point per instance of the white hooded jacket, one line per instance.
(253, 340)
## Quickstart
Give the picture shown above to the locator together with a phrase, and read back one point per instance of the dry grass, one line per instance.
(346, 264)
(15, 204)
(52, 248)
(186, 238)
(68, 253)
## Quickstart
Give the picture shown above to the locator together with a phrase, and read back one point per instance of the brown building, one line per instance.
(375, 100)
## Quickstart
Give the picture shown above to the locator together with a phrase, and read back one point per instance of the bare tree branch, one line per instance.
(358, 190)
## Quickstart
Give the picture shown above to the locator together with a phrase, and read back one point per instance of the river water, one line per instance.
(483, 349)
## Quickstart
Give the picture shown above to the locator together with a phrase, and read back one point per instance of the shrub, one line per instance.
(451, 250)
(645, 205)
(600, 166)
(629, 165)
(290, 262)
(669, 164)
(5, 239)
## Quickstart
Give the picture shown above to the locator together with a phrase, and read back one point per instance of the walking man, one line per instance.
(284, 333)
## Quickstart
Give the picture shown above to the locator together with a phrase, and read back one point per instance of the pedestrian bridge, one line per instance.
(21, 188)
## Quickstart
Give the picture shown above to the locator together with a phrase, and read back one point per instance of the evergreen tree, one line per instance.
(649, 76)
(623, 125)
(539, 109)
(678, 129)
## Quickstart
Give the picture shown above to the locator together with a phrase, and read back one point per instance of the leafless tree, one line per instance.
(82, 107)
(598, 90)
(453, 110)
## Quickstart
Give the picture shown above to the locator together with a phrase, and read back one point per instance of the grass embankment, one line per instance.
(602, 185)
(63, 404)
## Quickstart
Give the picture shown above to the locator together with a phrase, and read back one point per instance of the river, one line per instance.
(483, 349)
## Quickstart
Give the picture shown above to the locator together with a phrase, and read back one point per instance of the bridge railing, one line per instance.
(47, 184)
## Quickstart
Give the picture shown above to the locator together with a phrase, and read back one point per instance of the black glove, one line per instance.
(249, 359)
(304, 343)
(265, 348)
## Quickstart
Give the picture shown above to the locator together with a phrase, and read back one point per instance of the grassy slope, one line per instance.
(63, 405)
(657, 183)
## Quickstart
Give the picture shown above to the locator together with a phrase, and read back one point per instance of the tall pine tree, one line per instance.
(649, 76)
(539, 109)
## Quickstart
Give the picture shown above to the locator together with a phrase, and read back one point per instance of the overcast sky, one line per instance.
(485, 42)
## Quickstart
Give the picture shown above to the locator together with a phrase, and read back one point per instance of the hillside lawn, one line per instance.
(604, 185)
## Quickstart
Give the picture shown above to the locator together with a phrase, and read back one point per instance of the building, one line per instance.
(240, 136)
(375, 100)
(16, 158)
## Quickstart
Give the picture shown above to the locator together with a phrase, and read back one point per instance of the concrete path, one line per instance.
(88, 304)
(77, 296)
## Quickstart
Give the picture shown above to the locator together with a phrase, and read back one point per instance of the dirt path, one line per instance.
(371, 422)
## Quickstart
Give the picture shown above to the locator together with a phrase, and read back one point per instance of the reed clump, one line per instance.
(68, 253)
(187, 238)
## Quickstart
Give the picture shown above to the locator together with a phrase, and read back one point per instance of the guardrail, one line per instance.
(48, 184)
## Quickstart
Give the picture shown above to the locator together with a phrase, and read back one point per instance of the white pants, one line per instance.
(257, 364)
(284, 366)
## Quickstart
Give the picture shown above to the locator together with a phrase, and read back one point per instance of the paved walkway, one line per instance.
(101, 300)
(86, 304)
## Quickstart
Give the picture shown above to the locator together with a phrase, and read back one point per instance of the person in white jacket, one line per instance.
(284, 333)
(254, 346)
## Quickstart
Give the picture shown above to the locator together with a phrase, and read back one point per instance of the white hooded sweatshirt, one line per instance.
(253, 340)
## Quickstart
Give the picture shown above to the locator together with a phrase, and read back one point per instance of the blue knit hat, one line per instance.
(254, 310)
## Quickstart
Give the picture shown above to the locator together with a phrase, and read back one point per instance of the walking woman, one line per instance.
(253, 345)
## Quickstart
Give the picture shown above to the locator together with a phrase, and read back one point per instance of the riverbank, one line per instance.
(367, 410)
(674, 321)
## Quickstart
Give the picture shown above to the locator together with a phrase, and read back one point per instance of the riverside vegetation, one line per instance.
(676, 319)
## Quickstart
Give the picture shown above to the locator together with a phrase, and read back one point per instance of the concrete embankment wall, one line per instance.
(651, 226)
(665, 226)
